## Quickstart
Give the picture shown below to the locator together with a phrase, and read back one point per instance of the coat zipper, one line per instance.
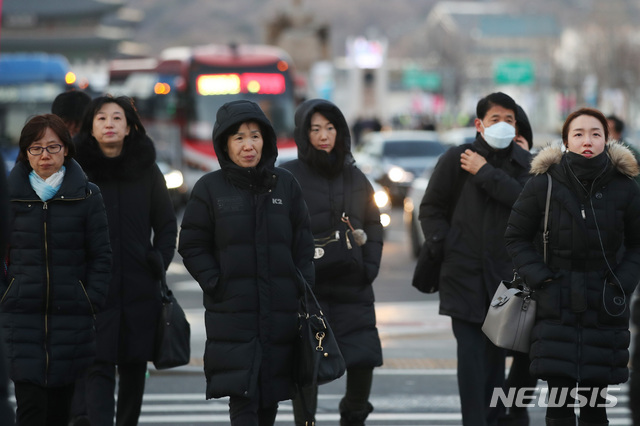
(46, 308)
(584, 214)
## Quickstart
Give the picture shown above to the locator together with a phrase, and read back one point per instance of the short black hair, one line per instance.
(70, 106)
(618, 124)
(493, 99)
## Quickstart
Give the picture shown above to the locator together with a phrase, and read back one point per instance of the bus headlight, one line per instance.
(174, 179)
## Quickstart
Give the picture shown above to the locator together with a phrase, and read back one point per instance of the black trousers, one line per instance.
(42, 406)
(355, 400)
(100, 388)
(560, 408)
(481, 367)
(250, 412)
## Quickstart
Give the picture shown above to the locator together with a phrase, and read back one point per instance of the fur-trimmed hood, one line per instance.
(621, 157)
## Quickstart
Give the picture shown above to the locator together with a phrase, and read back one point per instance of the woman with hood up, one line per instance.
(581, 332)
(246, 239)
(115, 152)
(332, 183)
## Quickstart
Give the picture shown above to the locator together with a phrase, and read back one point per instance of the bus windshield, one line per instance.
(272, 91)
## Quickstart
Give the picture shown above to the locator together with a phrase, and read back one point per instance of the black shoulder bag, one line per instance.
(426, 276)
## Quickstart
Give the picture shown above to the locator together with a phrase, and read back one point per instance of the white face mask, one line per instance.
(499, 135)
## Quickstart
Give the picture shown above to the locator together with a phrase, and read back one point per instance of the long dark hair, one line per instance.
(136, 129)
(35, 128)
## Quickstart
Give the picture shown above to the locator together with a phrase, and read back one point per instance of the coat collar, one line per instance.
(73, 186)
(621, 157)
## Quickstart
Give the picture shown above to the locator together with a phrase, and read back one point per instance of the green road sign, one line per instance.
(513, 72)
(413, 78)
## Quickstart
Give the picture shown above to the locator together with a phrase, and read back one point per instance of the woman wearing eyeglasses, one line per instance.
(57, 272)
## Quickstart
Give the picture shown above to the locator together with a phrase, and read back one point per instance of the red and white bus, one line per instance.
(179, 93)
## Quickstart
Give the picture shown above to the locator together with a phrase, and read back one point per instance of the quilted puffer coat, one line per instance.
(584, 290)
(244, 237)
(59, 264)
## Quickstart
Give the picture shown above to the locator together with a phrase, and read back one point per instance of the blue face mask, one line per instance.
(499, 135)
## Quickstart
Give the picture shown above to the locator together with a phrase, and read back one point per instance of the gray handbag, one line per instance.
(512, 312)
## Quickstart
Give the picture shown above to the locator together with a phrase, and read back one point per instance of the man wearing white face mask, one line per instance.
(464, 215)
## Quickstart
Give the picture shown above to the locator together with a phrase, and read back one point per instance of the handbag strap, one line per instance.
(346, 176)
(545, 234)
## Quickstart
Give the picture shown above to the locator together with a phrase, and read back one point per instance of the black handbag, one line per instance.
(335, 252)
(173, 333)
(318, 357)
(426, 275)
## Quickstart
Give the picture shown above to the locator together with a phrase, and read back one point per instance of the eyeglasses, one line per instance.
(51, 149)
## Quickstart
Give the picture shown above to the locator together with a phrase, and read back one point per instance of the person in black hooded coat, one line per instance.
(117, 155)
(246, 239)
(323, 168)
(583, 291)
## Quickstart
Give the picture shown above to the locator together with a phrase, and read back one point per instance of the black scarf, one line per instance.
(582, 172)
(328, 165)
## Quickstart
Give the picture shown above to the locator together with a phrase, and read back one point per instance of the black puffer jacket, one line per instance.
(244, 235)
(348, 301)
(582, 322)
(59, 266)
(472, 241)
(137, 201)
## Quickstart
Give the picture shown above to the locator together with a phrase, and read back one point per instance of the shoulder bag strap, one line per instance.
(545, 235)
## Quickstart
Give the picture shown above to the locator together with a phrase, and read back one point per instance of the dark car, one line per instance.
(395, 158)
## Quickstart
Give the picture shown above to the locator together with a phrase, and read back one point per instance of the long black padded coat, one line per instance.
(471, 240)
(582, 321)
(348, 301)
(142, 224)
(59, 262)
(244, 236)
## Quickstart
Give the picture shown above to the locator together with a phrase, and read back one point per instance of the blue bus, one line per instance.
(29, 82)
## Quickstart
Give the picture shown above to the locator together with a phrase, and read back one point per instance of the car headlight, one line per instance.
(385, 220)
(398, 174)
(381, 198)
(174, 179)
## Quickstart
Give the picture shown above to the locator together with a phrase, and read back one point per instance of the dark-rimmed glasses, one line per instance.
(51, 149)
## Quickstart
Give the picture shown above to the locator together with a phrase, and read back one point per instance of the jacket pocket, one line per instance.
(86, 295)
(549, 300)
(9, 287)
(613, 307)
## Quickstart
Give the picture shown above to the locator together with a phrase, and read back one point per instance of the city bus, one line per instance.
(179, 92)
(29, 82)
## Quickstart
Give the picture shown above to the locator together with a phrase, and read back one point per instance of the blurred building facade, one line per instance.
(87, 32)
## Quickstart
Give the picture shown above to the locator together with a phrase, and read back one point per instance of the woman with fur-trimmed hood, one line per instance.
(583, 292)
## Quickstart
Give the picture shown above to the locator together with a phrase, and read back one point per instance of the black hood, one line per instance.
(316, 158)
(236, 112)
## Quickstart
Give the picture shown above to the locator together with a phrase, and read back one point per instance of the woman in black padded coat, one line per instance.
(119, 157)
(59, 262)
(245, 238)
(323, 168)
(583, 292)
